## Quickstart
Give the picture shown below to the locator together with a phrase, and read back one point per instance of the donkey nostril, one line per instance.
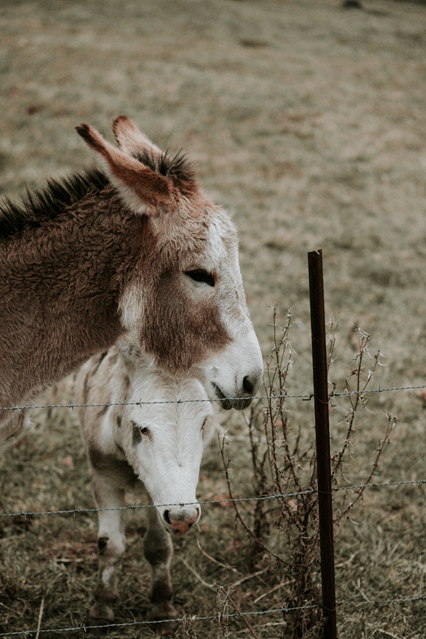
(249, 384)
(166, 517)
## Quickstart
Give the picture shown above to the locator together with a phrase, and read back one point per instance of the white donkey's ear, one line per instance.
(142, 189)
(128, 347)
(131, 140)
(132, 357)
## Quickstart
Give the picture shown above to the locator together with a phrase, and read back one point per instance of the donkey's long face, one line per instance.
(184, 300)
(164, 443)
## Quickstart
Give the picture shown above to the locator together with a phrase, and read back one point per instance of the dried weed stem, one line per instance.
(287, 463)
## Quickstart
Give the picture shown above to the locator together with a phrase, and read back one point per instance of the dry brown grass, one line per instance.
(309, 124)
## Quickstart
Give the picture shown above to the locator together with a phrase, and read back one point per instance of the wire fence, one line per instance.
(153, 623)
(305, 396)
(227, 500)
(324, 489)
(83, 627)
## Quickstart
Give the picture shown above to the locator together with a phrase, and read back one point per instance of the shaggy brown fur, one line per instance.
(60, 287)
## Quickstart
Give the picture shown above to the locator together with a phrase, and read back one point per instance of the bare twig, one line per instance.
(188, 628)
(247, 577)
(245, 620)
(215, 561)
(40, 614)
(222, 599)
(200, 579)
(360, 492)
(237, 512)
(277, 587)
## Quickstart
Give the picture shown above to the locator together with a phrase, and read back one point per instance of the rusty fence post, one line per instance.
(322, 431)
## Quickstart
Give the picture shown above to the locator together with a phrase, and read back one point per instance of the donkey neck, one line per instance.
(60, 284)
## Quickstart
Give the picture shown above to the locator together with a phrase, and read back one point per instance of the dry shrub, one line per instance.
(284, 464)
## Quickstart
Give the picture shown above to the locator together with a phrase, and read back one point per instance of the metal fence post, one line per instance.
(322, 430)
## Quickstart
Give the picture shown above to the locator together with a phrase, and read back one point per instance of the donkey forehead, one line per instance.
(205, 233)
(219, 254)
(222, 239)
(170, 402)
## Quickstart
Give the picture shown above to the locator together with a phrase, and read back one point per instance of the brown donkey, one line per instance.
(133, 248)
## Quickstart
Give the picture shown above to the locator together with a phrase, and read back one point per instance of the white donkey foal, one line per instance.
(160, 445)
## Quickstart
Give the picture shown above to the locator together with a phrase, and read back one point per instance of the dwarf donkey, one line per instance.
(158, 444)
(134, 247)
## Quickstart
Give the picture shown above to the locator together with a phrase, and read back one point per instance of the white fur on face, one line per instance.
(172, 436)
(131, 307)
(232, 300)
(157, 427)
(242, 357)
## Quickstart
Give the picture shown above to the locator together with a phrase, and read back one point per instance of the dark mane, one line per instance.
(37, 206)
(178, 167)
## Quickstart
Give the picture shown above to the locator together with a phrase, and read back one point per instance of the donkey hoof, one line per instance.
(165, 613)
(101, 613)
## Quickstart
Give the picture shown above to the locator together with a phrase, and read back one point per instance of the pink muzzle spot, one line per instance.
(181, 526)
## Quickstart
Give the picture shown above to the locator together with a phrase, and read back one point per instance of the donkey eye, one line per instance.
(144, 430)
(201, 276)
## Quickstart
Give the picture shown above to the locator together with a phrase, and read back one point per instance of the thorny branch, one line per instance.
(358, 399)
(250, 533)
(288, 462)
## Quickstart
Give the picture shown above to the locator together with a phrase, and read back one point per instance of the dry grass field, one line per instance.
(308, 123)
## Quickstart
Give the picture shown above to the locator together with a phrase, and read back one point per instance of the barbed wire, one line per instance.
(142, 623)
(305, 396)
(282, 609)
(225, 500)
(379, 602)
(377, 485)
(141, 403)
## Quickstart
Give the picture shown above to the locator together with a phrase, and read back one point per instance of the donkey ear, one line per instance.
(132, 357)
(137, 145)
(130, 139)
(129, 351)
(141, 188)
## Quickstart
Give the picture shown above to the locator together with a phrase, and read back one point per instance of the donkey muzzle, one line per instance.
(244, 396)
(180, 521)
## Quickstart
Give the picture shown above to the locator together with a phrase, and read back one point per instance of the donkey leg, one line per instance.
(111, 545)
(158, 550)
